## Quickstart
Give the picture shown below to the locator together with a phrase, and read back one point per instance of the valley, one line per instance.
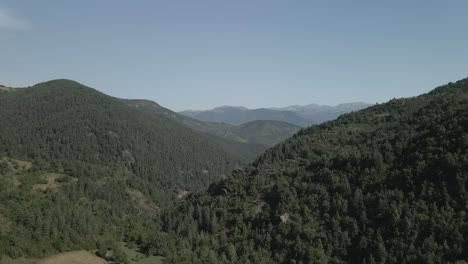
(81, 170)
(233, 132)
(381, 185)
(299, 115)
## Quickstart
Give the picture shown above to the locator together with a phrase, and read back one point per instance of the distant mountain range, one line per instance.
(246, 141)
(82, 162)
(77, 162)
(387, 184)
(83, 170)
(300, 115)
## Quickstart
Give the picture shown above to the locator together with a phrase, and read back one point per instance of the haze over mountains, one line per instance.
(79, 168)
(246, 141)
(305, 157)
(302, 116)
(83, 170)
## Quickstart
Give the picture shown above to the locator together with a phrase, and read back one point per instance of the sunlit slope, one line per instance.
(387, 184)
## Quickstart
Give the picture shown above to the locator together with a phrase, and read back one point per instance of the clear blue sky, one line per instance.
(200, 54)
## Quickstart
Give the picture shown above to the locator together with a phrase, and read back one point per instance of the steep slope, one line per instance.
(79, 168)
(265, 132)
(219, 133)
(387, 184)
(246, 142)
(66, 120)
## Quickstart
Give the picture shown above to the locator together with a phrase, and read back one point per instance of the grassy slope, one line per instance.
(75, 257)
(85, 257)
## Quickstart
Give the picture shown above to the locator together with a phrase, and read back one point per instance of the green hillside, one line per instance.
(246, 141)
(64, 120)
(220, 133)
(82, 170)
(265, 132)
(388, 184)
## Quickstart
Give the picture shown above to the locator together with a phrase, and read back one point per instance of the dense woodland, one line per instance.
(112, 168)
(82, 170)
(64, 120)
(85, 207)
(387, 184)
(227, 136)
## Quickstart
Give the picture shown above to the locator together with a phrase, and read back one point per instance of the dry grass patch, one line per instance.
(4, 89)
(143, 202)
(182, 194)
(51, 182)
(25, 165)
(17, 165)
(78, 257)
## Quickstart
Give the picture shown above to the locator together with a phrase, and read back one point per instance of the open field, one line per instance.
(76, 257)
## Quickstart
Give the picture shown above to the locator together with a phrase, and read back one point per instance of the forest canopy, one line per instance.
(387, 184)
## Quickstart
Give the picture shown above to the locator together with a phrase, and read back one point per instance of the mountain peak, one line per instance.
(61, 82)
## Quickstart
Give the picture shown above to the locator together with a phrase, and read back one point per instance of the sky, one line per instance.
(255, 53)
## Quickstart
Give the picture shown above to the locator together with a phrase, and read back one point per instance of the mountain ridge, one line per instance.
(386, 184)
(249, 145)
(79, 168)
(301, 115)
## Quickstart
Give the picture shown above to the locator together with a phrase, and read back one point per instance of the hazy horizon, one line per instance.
(201, 55)
(270, 107)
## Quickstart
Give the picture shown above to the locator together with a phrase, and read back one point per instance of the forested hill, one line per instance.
(388, 184)
(219, 133)
(64, 120)
(245, 142)
(82, 170)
